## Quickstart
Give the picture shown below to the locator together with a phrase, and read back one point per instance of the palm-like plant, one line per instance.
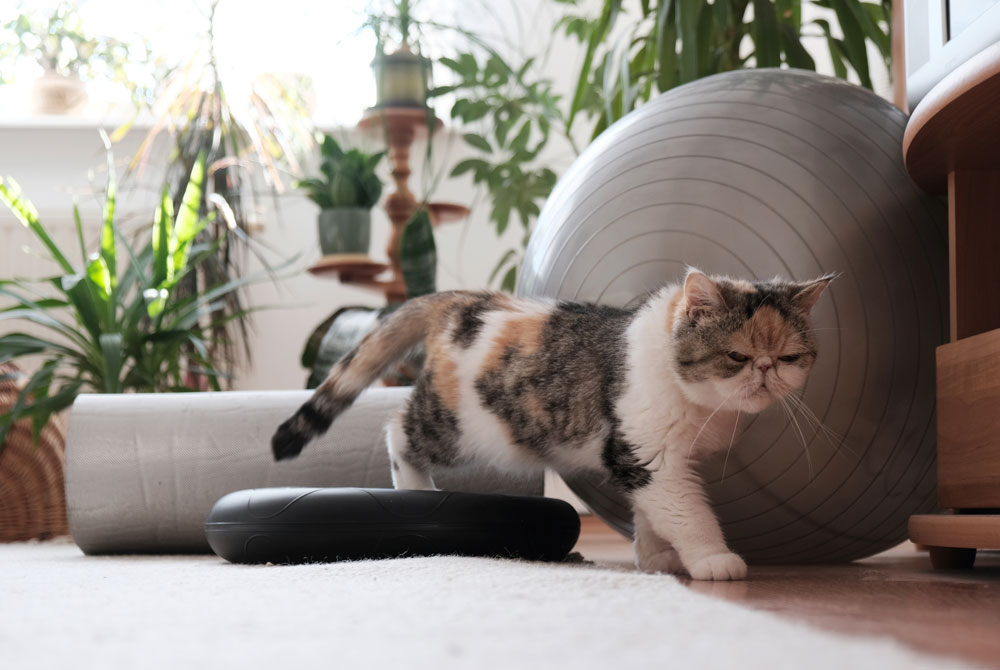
(115, 322)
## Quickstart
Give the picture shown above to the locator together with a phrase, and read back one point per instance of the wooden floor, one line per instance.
(894, 594)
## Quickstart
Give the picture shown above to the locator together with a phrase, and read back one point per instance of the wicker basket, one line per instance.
(32, 495)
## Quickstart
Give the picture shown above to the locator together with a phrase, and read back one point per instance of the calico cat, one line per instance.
(634, 394)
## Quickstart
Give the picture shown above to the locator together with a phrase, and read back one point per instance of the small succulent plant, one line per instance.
(348, 178)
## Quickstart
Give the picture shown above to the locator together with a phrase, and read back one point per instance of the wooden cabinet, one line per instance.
(952, 146)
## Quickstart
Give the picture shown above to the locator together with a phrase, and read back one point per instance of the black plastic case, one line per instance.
(298, 525)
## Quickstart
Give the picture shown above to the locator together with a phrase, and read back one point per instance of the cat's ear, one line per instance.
(809, 292)
(701, 295)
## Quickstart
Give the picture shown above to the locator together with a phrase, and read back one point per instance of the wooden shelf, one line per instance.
(955, 126)
(394, 118)
(400, 126)
(360, 271)
(446, 212)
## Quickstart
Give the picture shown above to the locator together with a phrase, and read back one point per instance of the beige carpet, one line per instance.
(60, 609)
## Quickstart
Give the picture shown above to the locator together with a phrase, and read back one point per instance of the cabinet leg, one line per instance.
(952, 558)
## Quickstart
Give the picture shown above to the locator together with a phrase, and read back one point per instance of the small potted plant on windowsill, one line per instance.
(67, 56)
(346, 191)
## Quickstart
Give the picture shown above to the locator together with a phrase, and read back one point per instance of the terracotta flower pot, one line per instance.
(55, 93)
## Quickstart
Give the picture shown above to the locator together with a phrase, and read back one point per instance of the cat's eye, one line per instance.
(789, 359)
(738, 357)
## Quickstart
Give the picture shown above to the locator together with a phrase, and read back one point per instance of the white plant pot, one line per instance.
(55, 93)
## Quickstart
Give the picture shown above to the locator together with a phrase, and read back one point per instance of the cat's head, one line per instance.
(741, 345)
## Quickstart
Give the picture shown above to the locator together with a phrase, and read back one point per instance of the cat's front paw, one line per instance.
(665, 561)
(719, 568)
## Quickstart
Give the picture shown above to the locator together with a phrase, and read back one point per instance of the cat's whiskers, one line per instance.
(802, 437)
(714, 412)
(816, 330)
(739, 408)
(835, 439)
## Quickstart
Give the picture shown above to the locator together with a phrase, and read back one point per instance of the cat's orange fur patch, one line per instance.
(523, 333)
(674, 309)
(767, 330)
(444, 379)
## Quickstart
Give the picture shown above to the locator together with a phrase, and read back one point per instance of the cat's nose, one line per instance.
(764, 366)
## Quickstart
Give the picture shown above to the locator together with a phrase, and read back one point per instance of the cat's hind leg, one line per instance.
(405, 475)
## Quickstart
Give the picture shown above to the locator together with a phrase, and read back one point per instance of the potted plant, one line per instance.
(252, 137)
(67, 55)
(345, 191)
(115, 322)
(345, 328)
(401, 76)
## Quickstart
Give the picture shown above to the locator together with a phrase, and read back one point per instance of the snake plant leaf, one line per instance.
(418, 255)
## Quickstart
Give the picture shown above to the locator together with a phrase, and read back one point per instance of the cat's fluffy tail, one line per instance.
(379, 350)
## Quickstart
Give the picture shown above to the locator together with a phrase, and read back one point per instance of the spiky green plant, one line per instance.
(348, 178)
(114, 322)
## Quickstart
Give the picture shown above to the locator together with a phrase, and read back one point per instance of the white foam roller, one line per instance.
(143, 470)
(756, 173)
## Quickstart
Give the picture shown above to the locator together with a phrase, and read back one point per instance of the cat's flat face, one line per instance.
(743, 345)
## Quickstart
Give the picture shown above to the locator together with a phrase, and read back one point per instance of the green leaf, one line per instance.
(418, 255)
(111, 348)
(100, 276)
(767, 43)
(666, 71)
(163, 227)
(854, 41)
(609, 14)
(509, 280)
(39, 381)
(87, 310)
(510, 253)
(108, 229)
(79, 232)
(467, 165)
(836, 48)
(189, 222)
(14, 345)
(795, 53)
(687, 13)
(477, 141)
(706, 39)
(25, 212)
(520, 141)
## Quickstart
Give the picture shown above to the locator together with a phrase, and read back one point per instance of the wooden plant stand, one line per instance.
(952, 145)
(400, 125)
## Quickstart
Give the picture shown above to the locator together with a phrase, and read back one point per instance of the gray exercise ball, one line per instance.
(758, 173)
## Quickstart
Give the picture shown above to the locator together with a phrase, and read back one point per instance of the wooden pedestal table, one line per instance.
(952, 146)
(400, 126)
